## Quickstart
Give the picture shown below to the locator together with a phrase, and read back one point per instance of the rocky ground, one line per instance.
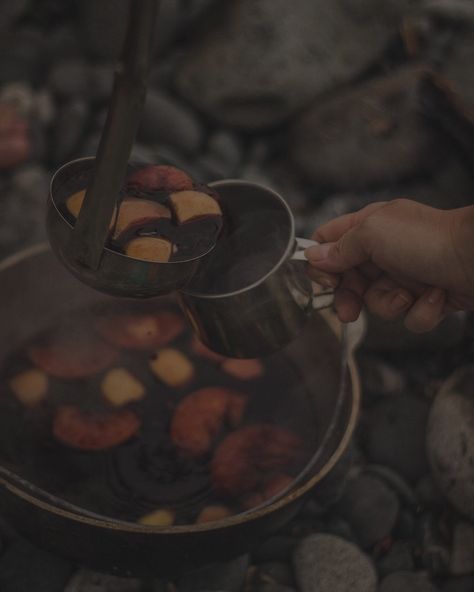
(324, 102)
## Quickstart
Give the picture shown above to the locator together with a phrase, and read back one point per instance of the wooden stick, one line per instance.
(123, 118)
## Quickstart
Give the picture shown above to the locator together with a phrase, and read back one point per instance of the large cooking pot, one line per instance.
(35, 290)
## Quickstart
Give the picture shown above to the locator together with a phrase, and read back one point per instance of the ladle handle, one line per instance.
(123, 118)
(321, 299)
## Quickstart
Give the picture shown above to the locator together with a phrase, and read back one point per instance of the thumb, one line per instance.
(348, 252)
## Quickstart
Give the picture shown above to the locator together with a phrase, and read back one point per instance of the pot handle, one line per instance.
(322, 298)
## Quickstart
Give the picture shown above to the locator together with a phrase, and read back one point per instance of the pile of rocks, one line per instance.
(323, 101)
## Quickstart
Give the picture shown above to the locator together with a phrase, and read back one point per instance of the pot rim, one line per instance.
(29, 492)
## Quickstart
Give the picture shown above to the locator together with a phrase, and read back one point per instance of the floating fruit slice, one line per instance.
(30, 387)
(74, 202)
(201, 415)
(149, 248)
(140, 331)
(172, 367)
(72, 356)
(243, 369)
(93, 431)
(161, 517)
(134, 211)
(188, 205)
(160, 178)
(120, 387)
(213, 513)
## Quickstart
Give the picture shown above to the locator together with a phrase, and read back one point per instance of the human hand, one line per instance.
(398, 258)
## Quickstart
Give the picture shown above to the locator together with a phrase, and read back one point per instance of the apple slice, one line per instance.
(74, 202)
(30, 387)
(243, 369)
(160, 177)
(213, 513)
(188, 205)
(161, 517)
(140, 331)
(172, 367)
(202, 350)
(134, 211)
(93, 431)
(149, 248)
(72, 356)
(120, 387)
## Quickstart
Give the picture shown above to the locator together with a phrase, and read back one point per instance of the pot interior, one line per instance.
(37, 291)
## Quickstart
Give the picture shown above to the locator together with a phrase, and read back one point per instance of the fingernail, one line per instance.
(318, 252)
(400, 301)
(435, 295)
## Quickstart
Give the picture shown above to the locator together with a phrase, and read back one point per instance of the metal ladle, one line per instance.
(81, 247)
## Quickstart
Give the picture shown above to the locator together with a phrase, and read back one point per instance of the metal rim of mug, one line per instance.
(111, 251)
(286, 254)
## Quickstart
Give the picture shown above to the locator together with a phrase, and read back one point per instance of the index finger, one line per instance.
(334, 229)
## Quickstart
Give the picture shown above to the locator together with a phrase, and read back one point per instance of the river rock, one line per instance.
(10, 12)
(407, 582)
(458, 71)
(264, 59)
(166, 120)
(370, 507)
(450, 440)
(461, 584)
(398, 558)
(227, 576)
(462, 553)
(379, 115)
(326, 563)
(24, 567)
(69, 78)
(395, 435)
(91, 581)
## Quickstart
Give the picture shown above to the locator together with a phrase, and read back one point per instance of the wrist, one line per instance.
(462, 236)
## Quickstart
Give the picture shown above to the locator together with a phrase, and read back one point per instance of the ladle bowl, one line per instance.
(117, 274)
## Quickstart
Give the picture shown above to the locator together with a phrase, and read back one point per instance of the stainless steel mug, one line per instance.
(251, 296)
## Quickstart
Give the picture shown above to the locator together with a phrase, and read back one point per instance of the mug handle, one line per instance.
(321, 299)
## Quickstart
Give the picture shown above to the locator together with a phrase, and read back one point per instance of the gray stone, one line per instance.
(32, 183)
(227, 576)
(379, 378)
(10, 12)
(91, 581)
(325, 563)
(44, 108)
(103, 36)
(462, 552)
(339, 527)
(20, 95)
(405, 527)
(428, 493)
(365, 136)
(462, 584)
(267, 587)
(395, 435)
(450, 440)
(69, 129)
(24, 568)
(21, 55)
(275, 572)
(276, 548)
(262, 60)
(398, 558)
(407, 582)
(434, 551)
(395, 481)
(168, 121)
(458, 71)
(370, 508)
(69, 78)
(226, 147)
